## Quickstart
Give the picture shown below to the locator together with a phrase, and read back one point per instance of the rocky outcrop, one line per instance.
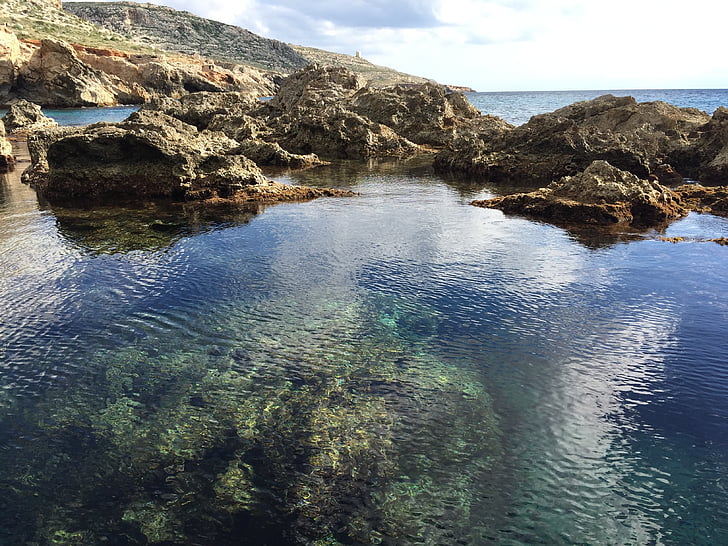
(641, 138)
(713, 199)
(7, 159)
(149, 156)
(25, 116)
(601, 195)
(270, 153)
(330, 112)
(424, 114)
(54, 73)
(707, 158)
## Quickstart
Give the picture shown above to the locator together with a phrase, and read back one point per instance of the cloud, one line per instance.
(361, 13)
(504, 44)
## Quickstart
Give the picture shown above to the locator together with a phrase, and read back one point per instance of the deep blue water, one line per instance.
(399, 366)
(517, 107)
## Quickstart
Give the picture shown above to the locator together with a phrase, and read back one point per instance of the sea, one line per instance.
(396, 367)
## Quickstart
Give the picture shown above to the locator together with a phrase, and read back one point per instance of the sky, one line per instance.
(505, 45)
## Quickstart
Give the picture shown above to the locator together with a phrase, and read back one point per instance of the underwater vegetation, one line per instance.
(313, 434)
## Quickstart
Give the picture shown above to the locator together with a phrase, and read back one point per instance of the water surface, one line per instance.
(397, 367)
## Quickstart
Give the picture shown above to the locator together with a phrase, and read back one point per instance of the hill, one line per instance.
(183, 32)
(40, 19)
(180, 31)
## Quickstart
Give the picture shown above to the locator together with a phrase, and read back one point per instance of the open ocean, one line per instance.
(518, 106)
(393, 368)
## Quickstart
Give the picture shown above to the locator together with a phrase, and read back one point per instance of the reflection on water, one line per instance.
(154, 227)
(397, 367)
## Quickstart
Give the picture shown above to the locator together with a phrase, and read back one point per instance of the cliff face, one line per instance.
(183, 32)
(55, 73)
(53, 58)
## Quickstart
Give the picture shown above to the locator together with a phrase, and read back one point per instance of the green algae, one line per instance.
(364, 436)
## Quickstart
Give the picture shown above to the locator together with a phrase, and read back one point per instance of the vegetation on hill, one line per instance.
(40, 19)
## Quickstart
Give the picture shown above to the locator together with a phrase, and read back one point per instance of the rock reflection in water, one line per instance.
(154, 227)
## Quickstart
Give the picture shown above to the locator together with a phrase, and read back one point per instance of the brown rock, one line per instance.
(601, 195)
(149, 156)
(270, 153)
(7, 159)
(25, 116)
(712, 199)
(424, 114)
(637, 137)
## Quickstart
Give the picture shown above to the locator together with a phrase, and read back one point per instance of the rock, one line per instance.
(10, 59)
(707, 158)
(424, 114)
(338, 133)
(601, 195)
(637, 137)
(199, 109)
(310, 114)
(316, 87)
(270, 153)
(7, 159)
(54, 75)
(26, 116)
(149, 156)
(713, 199)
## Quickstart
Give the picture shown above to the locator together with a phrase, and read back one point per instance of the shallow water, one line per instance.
(397, 367)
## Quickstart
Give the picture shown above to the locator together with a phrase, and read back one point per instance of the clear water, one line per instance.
(86, 116)
(517, 107)
(397, 367)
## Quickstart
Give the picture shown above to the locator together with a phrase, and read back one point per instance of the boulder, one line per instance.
(25, 116)
(149, 156)
(270, 153)
(637, 137)
(316, 87)
(199, 109)
(7, 159)
(424, 114)
(600, 195)
(707, 158)
(338, 133)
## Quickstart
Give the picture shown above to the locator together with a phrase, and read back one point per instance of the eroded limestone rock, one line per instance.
(600, 195)
(26, 116)
(637, 137)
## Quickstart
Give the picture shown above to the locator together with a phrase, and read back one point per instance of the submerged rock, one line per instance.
(601, 195)
(636, 137)
(26, 116)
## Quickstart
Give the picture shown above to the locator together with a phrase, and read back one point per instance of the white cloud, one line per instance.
(505, 44)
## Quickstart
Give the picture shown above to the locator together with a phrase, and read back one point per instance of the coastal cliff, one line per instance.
(183, 32)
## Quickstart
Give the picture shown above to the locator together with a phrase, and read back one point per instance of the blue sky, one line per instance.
(504, 45)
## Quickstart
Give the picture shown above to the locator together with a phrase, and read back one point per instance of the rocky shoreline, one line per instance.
(605, 162)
